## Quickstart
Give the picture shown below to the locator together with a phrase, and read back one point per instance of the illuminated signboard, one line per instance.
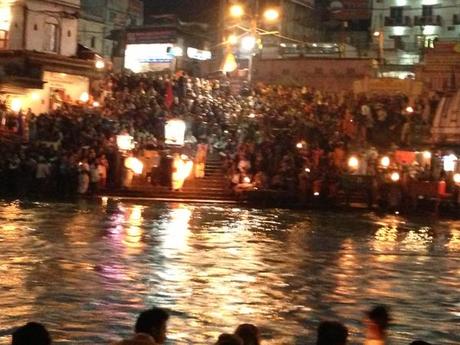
(148, 57)
(198, 54)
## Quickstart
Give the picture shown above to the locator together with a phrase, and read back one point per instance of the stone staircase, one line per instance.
(213, 188)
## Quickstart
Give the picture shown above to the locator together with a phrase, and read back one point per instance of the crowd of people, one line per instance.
(151, 328)
(270, 137)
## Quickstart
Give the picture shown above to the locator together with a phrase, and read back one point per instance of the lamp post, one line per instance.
(252, 33)
(381, 53)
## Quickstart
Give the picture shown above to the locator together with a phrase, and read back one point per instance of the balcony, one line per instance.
(399, 21)
(428, 20)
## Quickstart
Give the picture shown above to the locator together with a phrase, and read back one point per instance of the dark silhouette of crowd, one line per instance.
(151, 328)
(271, 135)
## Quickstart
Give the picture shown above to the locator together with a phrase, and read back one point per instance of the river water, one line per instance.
(85, 270)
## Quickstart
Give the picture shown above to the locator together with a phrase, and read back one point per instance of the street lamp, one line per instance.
(271, 14)
(236, 11)
(232, 39)
(252, 32)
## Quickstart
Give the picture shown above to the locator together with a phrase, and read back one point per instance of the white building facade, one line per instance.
(39, 67)
(410, 27)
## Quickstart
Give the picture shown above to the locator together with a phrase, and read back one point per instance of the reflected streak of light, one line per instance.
(177, 229)
(134, 231)
(385, 239)
(417, 240)
(454, 243)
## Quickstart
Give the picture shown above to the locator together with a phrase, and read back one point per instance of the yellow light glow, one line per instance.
(427, 155)
(271, 14)
(5, 18)
(230, 63)
(385, 162)
(135, 165)
(16, 105)
(457, 178)
(100, 64)
(410, 109)
(236, 11)
(353, 162)
(35, 96)
(247, 179)
(84, 97)
(182, 169)
(299, 145)
(395, 177)
(125, 142)
(96, 104)
(232, 39)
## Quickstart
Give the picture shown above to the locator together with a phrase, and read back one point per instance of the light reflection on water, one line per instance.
(86, 270)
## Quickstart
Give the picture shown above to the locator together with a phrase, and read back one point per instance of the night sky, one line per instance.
(187, 10)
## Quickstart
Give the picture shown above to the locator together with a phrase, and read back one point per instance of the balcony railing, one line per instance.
(399, 21)
(428, 20)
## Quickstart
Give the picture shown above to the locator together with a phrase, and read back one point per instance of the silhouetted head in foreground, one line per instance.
(229, 339)
(248, 333)
(331, 333)
(32, 333)
(154, 323)
(379, 319)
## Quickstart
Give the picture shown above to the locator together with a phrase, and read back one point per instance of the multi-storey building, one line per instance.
(103, 21)
(39, 66)
(405, 29)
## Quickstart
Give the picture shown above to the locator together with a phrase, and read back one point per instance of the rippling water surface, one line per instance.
(87, 269)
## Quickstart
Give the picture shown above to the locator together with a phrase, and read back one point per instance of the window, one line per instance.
(3, 39)
(69, 33)
(93, 42)
(396, 13)
(427, 11)
(51, 37)
(398, 42)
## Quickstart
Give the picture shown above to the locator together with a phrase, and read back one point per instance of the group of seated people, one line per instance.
(151, 329)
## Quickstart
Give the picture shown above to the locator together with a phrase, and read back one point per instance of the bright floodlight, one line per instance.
(125, 142)
(135, 165)
(84, 97)
(16, 105)
(427, 155)
(353, 162)
(175, 132)
(457, 178)
(100, 64)
(248, 43)
(232, 39)
(271, 14)
(385, 162)
(450, 162)
(395, 177)
(236, 11)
